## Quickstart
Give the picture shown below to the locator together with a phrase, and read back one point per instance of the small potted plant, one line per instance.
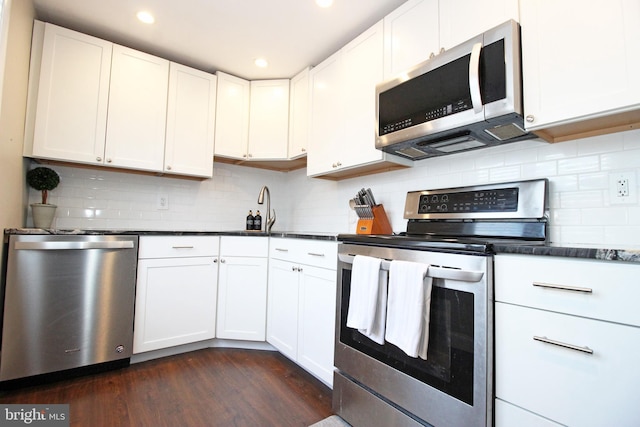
(43, 179)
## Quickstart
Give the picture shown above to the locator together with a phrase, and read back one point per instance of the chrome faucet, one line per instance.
(270, 219)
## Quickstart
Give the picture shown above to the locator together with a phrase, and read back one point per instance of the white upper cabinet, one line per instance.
(232, 116)
(325, 126)
(580, 66)
(342, 120)
(68, 95)
(137, 110)
(91, 101)
(461, 20)
(269, 119)
(411, 34)
(191, 115)
(421, 28)
(299, 114)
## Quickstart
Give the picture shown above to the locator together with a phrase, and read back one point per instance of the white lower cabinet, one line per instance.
(566, 347)
(316, 321)
(242, 288)
(176, 291)
(302, 303)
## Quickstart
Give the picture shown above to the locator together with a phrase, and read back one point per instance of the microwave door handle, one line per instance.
(474, 78)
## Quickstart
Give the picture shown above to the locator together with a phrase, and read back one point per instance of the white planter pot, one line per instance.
(43, 214)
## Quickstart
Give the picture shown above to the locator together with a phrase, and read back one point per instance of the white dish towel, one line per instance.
(407, 308)
(368, 298)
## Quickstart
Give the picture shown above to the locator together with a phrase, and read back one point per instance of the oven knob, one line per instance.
(444, 207)
(434, 198)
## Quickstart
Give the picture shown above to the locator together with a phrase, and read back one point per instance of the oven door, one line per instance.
(454, 385)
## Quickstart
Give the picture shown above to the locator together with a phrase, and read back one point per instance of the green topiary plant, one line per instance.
(43, 179)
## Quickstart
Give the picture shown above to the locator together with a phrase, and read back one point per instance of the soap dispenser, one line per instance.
(257, 221)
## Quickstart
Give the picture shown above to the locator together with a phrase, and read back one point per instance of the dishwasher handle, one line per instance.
(65, 245)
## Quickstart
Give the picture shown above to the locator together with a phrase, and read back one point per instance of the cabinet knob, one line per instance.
(441, 51)
(168, 167)
(222, 261)
(98, 159)
(339, 164)
(431, 55)
(530, 118)
(108, 160)
(249, 155)
(215, 260)
(293, 268)
(304, 150)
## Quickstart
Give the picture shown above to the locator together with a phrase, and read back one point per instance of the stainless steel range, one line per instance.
(379, 381)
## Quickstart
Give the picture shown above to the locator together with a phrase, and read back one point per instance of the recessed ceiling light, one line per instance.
(146, 17)
(324, 3)
(261, 62)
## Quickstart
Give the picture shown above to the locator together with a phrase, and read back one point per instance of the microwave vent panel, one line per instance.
(506, 132)
(411, 152)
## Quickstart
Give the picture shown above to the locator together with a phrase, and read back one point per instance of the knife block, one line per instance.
(379, 224)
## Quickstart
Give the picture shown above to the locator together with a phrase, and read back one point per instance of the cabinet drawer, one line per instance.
(244, 246)
(177, 246)
(508, 415)
(597, 289)
(317, 253)
(566, 385)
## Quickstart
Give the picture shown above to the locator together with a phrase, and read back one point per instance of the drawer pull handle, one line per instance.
(563, 287)
(562, 344)
(282, 250)
(314, 254)
(182, 247)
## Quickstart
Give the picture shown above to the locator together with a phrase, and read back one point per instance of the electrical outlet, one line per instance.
(622, 188)
(162, 202)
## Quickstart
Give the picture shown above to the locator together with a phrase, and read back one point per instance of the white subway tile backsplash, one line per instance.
(578, 172)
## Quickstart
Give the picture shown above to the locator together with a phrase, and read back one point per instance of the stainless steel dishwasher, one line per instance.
(68, 303)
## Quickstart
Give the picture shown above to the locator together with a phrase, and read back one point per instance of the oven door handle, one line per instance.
(436, 272)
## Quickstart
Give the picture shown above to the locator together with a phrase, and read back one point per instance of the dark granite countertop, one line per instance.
(627, 255)
(288, 234)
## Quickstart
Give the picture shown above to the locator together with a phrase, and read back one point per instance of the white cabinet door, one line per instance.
(191, 115)
(326, 124)
(137, 110)
(461, 20)
(299, 114)
(411, 34)
(242, 298)
(282, 312)
(269, 120)
(72, 91)
(579, 62)
(363, 69)
(317, 313)
(175, 302)
(232, 116)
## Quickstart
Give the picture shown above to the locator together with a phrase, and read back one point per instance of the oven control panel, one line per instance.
(525, 199)
(502, 200)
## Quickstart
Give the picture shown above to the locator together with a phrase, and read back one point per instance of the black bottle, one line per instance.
(250, 219)
(257, 221)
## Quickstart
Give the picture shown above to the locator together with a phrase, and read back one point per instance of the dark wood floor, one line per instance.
(211, 387)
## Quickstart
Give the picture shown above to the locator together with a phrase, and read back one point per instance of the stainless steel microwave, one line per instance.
(467, 97)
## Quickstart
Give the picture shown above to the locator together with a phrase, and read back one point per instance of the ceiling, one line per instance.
(225, 35)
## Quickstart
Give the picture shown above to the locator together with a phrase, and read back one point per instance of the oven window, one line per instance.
(449, 364)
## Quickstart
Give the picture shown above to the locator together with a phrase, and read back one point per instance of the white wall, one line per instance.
(15, 66)
(581, 210)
